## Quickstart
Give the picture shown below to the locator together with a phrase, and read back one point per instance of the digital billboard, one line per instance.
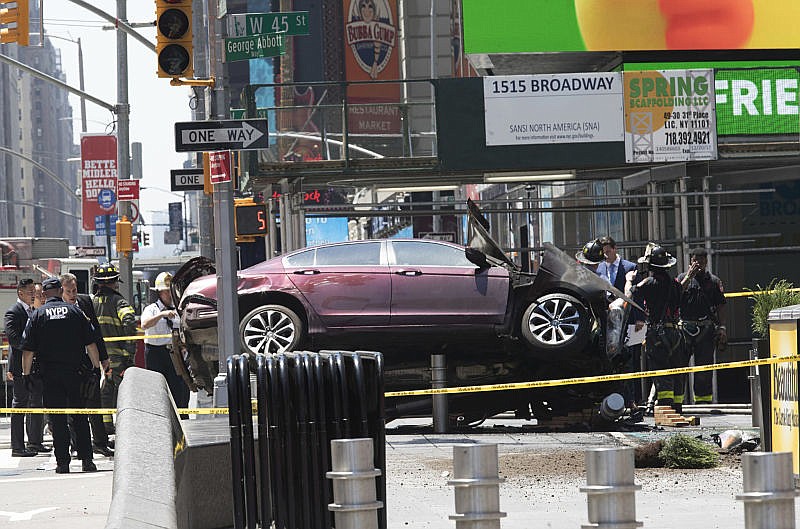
(757, 101)
(519, 26)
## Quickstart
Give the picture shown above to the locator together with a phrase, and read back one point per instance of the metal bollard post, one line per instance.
(354, 505)
(477, 487)
(768, 485)
(439, 380)
(611, 493)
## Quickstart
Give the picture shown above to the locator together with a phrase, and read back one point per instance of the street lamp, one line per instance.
(80, 76)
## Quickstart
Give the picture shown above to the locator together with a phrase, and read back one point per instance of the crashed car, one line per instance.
(410, 298)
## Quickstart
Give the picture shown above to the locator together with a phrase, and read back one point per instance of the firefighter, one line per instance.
(661, 295)
(591, 255)
(702, 310)
(116, 318)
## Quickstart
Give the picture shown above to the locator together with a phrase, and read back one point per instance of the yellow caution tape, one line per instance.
(137, 337)
(466, 389)
(589, 380)
(753, 292)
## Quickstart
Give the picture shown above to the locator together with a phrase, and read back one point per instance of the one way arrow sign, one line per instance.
(233, 135)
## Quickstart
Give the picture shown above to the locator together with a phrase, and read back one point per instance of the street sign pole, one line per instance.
(224, 256)
(108, 236)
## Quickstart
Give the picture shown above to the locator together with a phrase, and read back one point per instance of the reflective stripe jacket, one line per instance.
(116, 318)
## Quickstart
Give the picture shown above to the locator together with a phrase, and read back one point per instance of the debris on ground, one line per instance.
(737, 441)
(647, 455)
(683, 451)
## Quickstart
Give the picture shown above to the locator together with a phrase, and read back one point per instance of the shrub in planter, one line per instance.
(777, 294)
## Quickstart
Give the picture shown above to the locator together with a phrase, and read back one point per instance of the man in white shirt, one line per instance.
(160, 318)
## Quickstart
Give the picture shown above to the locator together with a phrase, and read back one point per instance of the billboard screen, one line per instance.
(515, 26)
(757, 101)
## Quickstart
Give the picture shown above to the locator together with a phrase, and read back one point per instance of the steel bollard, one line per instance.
(354, 499)
(768, 485)
(477, 487)
(611, 493)
(438, 381)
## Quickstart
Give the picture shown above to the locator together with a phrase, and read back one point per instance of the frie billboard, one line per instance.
(758, 101)
(515, 26)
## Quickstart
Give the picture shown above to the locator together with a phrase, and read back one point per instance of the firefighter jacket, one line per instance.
(116, 318)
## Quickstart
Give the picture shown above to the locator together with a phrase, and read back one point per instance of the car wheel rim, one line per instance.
(270, 331)
(554, 321)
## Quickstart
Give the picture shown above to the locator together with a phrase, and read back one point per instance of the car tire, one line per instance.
(556, 323)
(270, 329)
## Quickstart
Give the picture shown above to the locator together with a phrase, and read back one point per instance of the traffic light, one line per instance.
(174, 38)
(124, 236)
(145, 239)
(208, 187)
(18, 16)
(250, 219)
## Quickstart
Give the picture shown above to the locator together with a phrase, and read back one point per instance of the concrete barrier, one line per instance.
(162, 478)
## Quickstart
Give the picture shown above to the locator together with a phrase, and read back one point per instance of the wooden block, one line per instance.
(693, 420)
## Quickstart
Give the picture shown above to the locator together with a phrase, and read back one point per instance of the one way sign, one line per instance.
(234, 135)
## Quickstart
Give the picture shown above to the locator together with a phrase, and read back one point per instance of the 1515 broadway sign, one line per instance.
(669, 116)
(757, 101)
(559, 108)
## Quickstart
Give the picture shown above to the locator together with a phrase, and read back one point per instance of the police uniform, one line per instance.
(699, 305)
(664, 341)
(116, 318)
(57, 333)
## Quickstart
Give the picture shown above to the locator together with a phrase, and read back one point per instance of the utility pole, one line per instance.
(224, 249)
(123, 143)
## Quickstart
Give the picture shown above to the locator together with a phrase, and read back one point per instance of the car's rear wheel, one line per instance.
(556, 323)
(270, 329)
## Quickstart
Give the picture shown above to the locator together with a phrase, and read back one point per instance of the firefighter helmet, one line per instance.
(592, 253)
(163, 281)
(656, 255)
(106, 273)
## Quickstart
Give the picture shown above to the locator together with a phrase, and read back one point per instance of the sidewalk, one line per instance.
(543, 472)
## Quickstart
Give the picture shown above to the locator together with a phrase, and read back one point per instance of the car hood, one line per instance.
(480, 238)
(191, 270)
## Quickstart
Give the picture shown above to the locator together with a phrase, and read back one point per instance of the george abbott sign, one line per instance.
(558, 108)
(98, 177)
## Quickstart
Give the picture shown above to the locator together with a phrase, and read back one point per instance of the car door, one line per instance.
(433, 283)
(347, 285)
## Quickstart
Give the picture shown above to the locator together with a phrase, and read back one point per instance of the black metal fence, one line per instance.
(304, 401)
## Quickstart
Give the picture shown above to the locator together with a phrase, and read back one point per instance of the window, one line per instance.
(300, 259)
(429, 254)
(367, 254)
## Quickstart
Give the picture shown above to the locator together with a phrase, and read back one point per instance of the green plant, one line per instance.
(682, 451)
(779, 293)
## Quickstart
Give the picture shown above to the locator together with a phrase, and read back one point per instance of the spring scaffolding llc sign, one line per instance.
(559, 108)
(670, 116)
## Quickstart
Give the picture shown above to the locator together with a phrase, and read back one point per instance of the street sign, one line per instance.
(255, 46)
(90, 251)
(100, 225)
(232, 135)
(247, 24)
(127, 190)
(186, 179)
(448, 236)
(238, 113)
(219, 166)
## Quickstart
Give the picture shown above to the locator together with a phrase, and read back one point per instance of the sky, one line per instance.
(155, 105)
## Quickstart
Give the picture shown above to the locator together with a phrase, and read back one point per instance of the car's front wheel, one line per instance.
(556, 323)
(270, 329)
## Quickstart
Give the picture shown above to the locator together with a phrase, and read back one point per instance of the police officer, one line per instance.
(116, 318)
(59, 335)
(160, 318)
(702, 310)
(661, 295)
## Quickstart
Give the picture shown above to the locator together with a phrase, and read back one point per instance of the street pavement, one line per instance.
(419, 463)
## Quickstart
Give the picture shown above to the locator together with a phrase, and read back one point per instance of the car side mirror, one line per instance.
(477, 257)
